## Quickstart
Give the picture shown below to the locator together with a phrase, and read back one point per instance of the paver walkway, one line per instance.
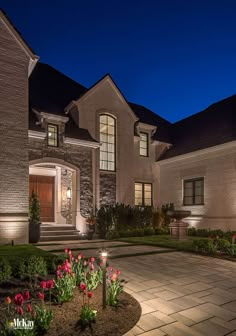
(181, 294)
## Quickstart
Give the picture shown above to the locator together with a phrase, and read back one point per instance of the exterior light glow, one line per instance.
(68, 193)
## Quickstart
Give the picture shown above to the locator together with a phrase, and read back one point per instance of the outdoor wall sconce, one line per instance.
(104, 256)
(68, 193)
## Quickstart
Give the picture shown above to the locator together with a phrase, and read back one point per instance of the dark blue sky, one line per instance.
(176, 57)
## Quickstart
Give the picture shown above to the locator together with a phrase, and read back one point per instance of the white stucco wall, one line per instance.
(218, 167)
(131, 167)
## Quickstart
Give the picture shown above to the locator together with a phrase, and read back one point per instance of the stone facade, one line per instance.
(79, 157)
(66, 204)
(107, 188)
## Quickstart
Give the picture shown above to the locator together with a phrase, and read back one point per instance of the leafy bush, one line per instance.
(204, 246)
(165, 230)
(148, 231)
(32, 267)
(231, 250)
(222, 245)
(216, 233)
(5, 270)
(120, 217)
(112, 235)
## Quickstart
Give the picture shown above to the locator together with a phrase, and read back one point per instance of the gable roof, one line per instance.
(213, 126)
(17, 35)
(51, 91)
(107, 77)
(146, 116)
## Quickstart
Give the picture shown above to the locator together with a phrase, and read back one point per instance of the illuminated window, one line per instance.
(108, 141)
(52, 135)
(194, 191)
(143, 194)
(143, 144)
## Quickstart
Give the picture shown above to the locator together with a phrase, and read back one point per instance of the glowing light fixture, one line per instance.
(68, 193)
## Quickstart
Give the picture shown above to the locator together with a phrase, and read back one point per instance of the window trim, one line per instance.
(57, 132)
(194, 180)
(147, 136)
(143, 193)
(115, 140)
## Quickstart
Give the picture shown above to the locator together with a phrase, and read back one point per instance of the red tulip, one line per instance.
(50, 284)
(18, 299)
(19, 310)
(43, 284)
(66, 250)
(26, 295)
(40, 296)
(29, 308)
(82, 286)
(90, 294)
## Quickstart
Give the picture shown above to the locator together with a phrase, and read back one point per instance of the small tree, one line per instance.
(34, 218)
(34, 208)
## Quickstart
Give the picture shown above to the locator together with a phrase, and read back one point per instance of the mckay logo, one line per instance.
(21, 324)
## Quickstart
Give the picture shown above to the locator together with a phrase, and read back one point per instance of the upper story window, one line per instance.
(107, 133)
(52, 135)
(194, 191)
(143, 144)
(143, 194)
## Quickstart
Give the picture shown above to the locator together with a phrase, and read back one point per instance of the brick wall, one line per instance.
(13, 137)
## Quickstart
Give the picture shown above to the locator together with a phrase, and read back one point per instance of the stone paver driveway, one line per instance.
(181, 294)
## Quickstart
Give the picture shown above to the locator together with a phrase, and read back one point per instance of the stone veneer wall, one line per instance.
(80, 157)
(13, 139)
(66, 205)
(107, 188)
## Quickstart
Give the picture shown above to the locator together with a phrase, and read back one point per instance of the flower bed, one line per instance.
(69, 303)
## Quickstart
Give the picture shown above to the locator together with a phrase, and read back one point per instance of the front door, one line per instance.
(43, 186)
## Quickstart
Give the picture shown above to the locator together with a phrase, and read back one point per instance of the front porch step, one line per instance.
(46, 227)
(57, 232)
(58, 238)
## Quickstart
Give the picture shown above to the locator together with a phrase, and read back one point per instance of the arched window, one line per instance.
(107, 133)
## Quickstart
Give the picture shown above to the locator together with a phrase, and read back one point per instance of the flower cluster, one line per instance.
(22, 305)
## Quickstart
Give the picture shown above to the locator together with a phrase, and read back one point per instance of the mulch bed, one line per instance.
(115, 321)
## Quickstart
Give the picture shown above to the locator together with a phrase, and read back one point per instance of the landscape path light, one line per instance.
(104, 256)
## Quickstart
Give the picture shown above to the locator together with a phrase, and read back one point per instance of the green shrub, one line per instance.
(54, 261)
(5, 270)
(165, 230)
(148, 231)
(112, 235)
(222, 244)
(215, 233)
(32, 267)
(192, 231)
(204, 246)
(231, 250)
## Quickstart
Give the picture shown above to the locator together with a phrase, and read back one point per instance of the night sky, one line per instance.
(175, 57)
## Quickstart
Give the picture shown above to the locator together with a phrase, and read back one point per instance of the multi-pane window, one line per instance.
(52, 135)
(143, 144)
(143, 193)
(194, 191)
(108, 141)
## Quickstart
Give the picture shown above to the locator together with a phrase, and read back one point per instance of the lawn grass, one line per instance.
(16, 252)
(163, 241)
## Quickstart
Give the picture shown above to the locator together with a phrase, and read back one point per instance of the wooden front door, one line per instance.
(43, 186)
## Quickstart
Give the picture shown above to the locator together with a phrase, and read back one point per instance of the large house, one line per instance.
(81, 147)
